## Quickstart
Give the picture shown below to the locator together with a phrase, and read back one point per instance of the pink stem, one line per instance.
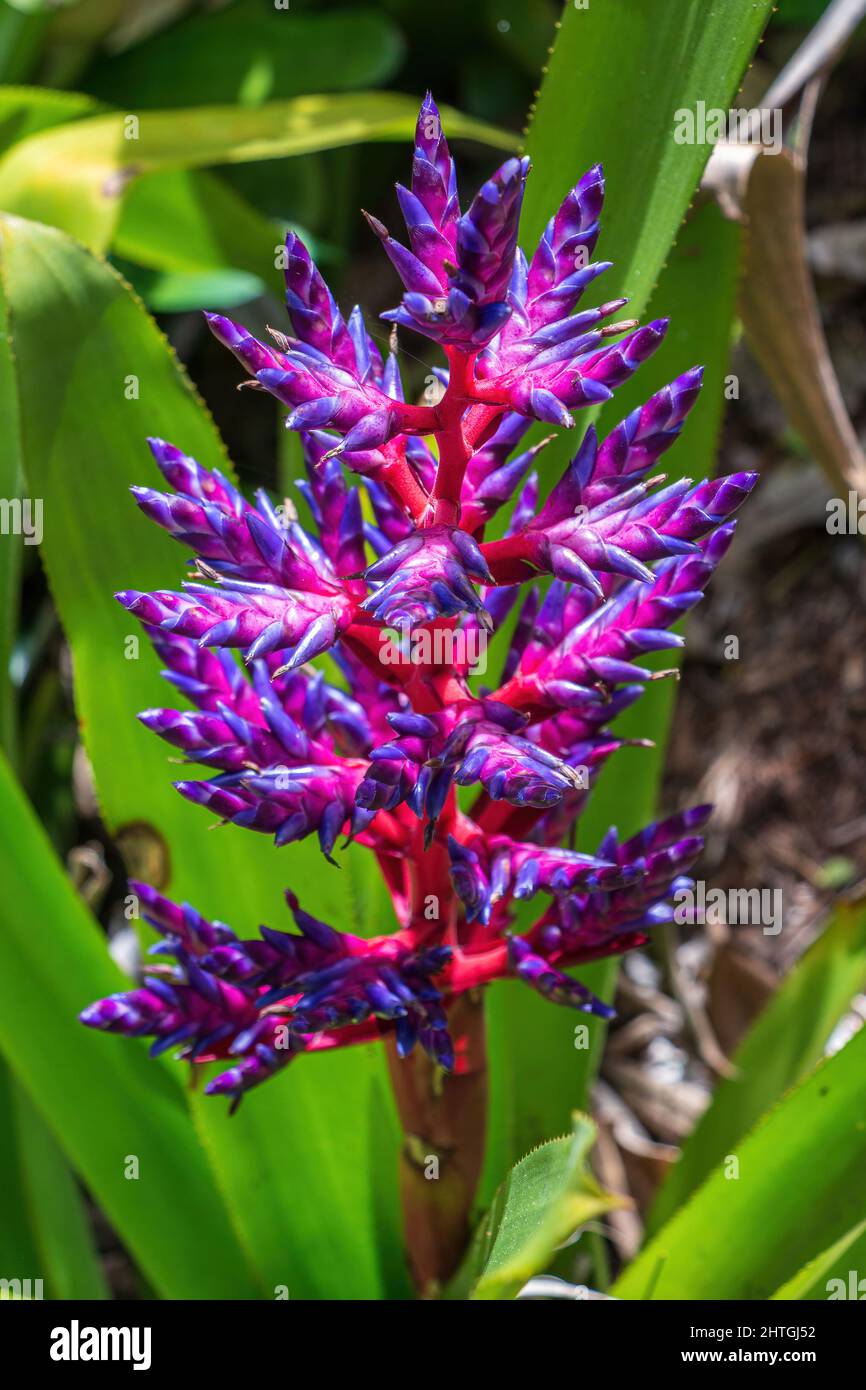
(511, 560)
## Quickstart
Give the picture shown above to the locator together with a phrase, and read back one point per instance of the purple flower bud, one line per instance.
(428, 575)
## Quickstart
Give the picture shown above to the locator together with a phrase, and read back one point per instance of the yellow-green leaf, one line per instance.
(75, 176)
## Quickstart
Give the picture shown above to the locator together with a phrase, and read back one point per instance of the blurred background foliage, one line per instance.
(248, 118)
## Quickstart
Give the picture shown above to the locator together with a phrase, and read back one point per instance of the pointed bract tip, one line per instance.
(428, 108)
(375, 225)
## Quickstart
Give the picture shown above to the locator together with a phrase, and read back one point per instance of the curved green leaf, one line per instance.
(106, 1103)
(783, 1044)
(618, 75)
(846, 1262)
(812, 1280)
(97, 377)
(797, 1183)
(186, 221)
(60, 1224)
(26, 111)
(11, 484)
(75, 177)
(43, 1230)
(19, 1255)
(192, 223)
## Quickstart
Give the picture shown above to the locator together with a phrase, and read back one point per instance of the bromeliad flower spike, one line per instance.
(601, 572)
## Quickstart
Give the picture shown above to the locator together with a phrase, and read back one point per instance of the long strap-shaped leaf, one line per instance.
(43, 1227)
(60, 1222)
(619, 74)
(75, 176)
(789, 1189)
(11, 483)
(815, 1279)
(97, 377)
(175, 220)
(784, 1043)
(109, 1105)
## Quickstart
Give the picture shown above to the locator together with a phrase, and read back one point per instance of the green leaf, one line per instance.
(664, 58)
(112, 381)
(43, 1230)
(39, 6)
(193, 223)
(308, 1131)
(19, 1256)
(784, 1043)
(799, 1185)
(697, 290)
(250, 53)
(11, 485)
(543, 1201)
(543, 1069)
(811, 1281)
(618, 76)
(26, 111)
(75, 177)
(619, 73)
(386, 1138)
(177, 292)
(178, 220)
(61, 1228)
(850, 1258)
(21, 37)
(104, 1101)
